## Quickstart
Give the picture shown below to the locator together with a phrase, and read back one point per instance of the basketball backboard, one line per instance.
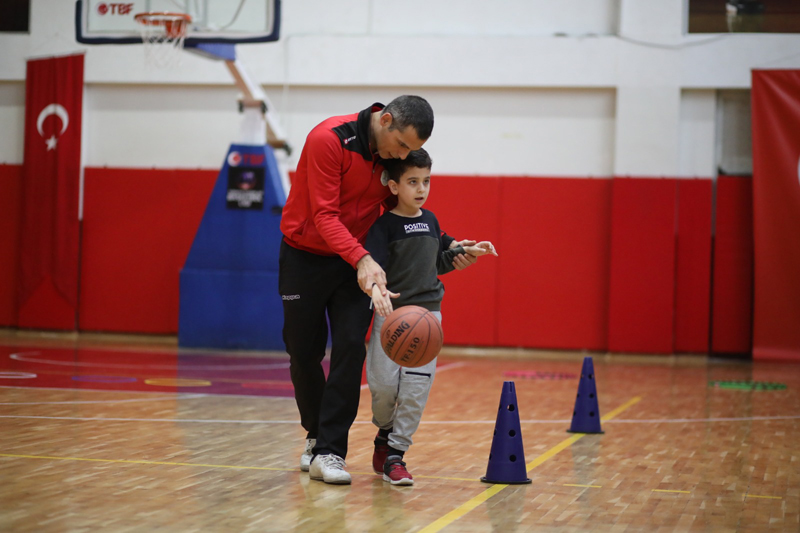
(213, 21)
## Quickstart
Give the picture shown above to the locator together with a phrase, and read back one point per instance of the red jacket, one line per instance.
(336, 193)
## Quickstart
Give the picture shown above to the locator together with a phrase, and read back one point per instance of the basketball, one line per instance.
(411, 336)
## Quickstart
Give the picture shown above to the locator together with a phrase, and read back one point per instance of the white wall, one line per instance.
(12, 121)
(520, 87)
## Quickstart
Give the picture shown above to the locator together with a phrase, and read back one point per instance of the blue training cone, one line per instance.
(586, 416)
(507, 457)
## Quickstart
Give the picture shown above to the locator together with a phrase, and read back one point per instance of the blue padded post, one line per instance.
(229, 283)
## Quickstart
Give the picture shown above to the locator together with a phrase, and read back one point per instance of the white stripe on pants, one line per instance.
(399, 394)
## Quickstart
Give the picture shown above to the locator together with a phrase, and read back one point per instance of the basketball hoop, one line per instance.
(163, 34)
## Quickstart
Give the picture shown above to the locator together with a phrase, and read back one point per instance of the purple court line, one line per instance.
(179, 396)
(442, 368)
(129, 400)
(22, 356)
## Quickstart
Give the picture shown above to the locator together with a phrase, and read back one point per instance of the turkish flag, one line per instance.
(50, 228)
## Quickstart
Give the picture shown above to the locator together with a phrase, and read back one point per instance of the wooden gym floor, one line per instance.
(112, 434)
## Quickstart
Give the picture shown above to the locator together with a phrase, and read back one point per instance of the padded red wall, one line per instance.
(693, 266)
(596, 264)
(732, 311)
(553, 278)
(137, 230)
(775, 105)
(642, 291)
(467, 208)
(10, 200)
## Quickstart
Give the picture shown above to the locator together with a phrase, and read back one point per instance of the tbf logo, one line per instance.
(235, 159)
(114, 9)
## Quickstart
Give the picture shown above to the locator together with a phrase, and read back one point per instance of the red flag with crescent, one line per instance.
(51, 177)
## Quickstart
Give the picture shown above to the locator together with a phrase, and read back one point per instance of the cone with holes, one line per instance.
(586, 416)
(507, 457)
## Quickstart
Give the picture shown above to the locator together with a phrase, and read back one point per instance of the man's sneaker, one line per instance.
(305, 459)
(330, 469)
(394, 471)
(379, 454)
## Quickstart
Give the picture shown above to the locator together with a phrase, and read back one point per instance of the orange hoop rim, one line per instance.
(158, 18)
(175, 24)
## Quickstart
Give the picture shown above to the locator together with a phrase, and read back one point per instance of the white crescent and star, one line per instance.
(59, 111)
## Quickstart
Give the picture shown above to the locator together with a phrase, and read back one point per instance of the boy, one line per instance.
(408, 245)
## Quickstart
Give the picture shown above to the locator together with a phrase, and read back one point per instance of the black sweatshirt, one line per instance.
(412, 253)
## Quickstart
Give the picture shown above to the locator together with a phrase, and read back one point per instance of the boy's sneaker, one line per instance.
(330, 469)
(380, 453)
(305, 459)
(394, 471)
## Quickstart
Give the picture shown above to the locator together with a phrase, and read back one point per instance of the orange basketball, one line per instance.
(411, 336)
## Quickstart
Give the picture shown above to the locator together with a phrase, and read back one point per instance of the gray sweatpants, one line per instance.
(399, 394)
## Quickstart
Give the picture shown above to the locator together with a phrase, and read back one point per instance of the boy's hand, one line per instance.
(381, 303)
(481, 248)
(465, 242)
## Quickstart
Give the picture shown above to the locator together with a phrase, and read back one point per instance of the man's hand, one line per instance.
(462, 261)
(370, 273)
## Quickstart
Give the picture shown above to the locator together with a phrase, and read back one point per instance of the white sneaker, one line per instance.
(305, 459)
(330, 469)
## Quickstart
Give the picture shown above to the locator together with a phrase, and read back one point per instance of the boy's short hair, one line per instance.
(415, 159)
(414, 111)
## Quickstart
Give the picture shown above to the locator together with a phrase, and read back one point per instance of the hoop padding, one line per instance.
(163, 34)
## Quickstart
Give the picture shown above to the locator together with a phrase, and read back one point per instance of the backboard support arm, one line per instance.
(254, 99)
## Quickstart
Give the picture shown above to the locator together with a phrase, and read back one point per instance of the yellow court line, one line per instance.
(618, 410)
(678, 491)
(587, 486)
(566, 443)
(765, 497)
(460, 511)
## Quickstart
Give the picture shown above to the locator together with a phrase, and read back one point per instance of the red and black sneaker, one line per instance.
(380, 453)
(394, 471)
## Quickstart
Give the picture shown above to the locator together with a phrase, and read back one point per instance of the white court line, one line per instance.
(428, 422)
(171, 420)
(688, 420)
(23, 356)
(17, 375)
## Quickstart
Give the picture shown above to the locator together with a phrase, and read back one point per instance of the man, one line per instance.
(335, 197)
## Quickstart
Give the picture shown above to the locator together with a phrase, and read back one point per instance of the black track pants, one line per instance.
(311, 285)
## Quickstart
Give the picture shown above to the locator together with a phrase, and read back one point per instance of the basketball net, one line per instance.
(163, 35)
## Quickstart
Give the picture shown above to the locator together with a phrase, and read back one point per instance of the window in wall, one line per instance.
(753, 16)
(15, 15)
(734, 133)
